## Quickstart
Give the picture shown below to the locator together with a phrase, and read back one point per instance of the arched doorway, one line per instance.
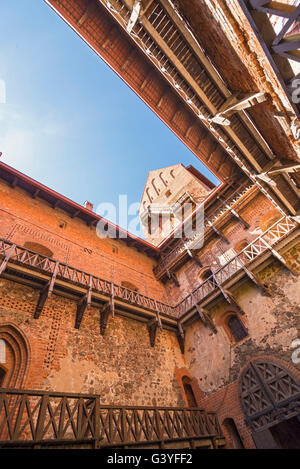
(188, 390)
(270, 399)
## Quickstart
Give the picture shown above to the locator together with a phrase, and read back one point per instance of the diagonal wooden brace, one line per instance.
(255, 280)
(234, 213)
(230, 298)
(6, 259)
(278, 256)
(46, 293)
(83, 305)
(181, 337)
(152, 327)
(204, 316)
(104, 316)
(158, 319)
(218, 232)
(172, 276)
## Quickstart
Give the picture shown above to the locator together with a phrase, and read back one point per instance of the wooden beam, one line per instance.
(35, 193)
(218, 232)
(152, 327)
(230, 298)
(234, 213)
(90, 8)
(14, 182)
(104, 316)
(278, 256)
(83, 305)
(203, 315)
(77, 212)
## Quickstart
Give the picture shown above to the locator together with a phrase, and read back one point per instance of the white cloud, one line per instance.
(23, 136)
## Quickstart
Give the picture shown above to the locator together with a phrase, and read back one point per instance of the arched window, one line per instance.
(39, 248)
(2, 376)
(162, 179)
(188, 390)
(154, 187)
(236, 328)
(148, 194)
(130, 286)
(233, 433)
(205, 273)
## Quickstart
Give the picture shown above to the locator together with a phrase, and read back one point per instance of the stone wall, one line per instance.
(121, 366)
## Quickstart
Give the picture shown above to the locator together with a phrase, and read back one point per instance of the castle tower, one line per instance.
(167, 191)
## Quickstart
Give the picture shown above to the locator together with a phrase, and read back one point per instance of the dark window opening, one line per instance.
(205, 274)
(189, 393)
(237, 328)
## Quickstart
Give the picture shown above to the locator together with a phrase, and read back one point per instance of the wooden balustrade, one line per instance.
(14, 254)
(39, 417)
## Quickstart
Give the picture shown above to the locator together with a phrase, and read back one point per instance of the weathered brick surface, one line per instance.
(121, 366)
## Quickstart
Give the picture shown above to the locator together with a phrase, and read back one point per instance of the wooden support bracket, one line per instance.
(218, 232)
(278, 256)
(152, 327)
(255, 280)
(46, 293)
(83, 305)
(181, 337)
(104, 316)
(204, 316)
(6, 259)
(172, 276)
(230, 298)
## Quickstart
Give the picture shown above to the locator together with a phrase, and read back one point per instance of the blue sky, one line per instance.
(69, 121)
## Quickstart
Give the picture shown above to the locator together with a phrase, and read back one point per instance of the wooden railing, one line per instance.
(13, 253)
(180, 250)
(261, 244)
(16, 254)
(37, 417)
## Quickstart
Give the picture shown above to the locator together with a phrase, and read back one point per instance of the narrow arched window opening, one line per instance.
(39, 248)
(236, 328)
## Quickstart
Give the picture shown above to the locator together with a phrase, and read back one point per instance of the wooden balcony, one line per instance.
(50, 276)
(212, 223)
(50, 419)
(265, 246)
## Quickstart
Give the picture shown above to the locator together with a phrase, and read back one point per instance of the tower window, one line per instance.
(237, 328)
